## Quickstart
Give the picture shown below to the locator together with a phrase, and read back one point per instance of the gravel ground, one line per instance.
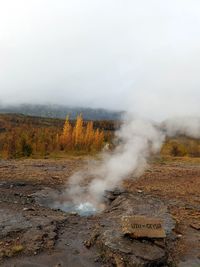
(34, 235)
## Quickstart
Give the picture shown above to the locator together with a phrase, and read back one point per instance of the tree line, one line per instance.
(24, 136)
(26, 140)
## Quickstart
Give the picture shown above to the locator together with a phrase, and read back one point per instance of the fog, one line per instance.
(140, 56)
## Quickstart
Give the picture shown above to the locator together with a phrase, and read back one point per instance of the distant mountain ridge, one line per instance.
(58, 111)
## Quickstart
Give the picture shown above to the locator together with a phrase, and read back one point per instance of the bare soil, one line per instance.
(33, 235)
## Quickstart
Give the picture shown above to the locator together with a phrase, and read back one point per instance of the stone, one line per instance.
(87, 243)
(134, 252)
(28, 209)
(195, 226)
(143, 227)
(139, 191)
(74, 213)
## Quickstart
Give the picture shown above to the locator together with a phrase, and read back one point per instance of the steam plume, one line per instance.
(137, 140)
(189, 126)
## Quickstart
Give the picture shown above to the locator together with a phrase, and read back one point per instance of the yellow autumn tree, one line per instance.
(78, 132)
(89, 135)
(80, 137)
(66, 137)
(98, 139)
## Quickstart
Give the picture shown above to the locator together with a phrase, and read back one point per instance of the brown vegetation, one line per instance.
(25, 136)
(22, 136)
(181, 146)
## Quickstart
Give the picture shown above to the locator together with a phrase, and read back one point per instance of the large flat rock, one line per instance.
(127, 251)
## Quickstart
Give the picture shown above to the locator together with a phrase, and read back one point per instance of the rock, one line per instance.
(128, 204)
(196, 225)
(142, 226)
(121, 250)
(111, 195)
(87, 243)
(90, 242)
(20, 184)
(55, 177)
(74, 213)
(132, 253)
(28, 209)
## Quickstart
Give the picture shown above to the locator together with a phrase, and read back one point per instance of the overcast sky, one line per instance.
(140, 55)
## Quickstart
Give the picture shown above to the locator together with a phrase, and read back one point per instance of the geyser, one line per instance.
(83, 209)
(136, 141)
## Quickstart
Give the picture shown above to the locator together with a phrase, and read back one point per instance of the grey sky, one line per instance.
(120, 54)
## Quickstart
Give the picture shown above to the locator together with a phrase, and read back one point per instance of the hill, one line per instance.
(58, 111)
(12, 120)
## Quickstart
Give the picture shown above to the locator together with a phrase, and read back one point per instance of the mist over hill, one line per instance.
(58, 111)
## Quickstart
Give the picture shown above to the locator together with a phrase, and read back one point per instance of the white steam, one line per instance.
(137, 140)
(189, 126)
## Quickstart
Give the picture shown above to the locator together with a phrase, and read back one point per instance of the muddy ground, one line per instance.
(33, 235)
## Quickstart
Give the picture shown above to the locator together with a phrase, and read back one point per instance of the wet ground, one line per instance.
(35, 235)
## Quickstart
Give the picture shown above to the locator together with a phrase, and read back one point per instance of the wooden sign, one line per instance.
(142, 226)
